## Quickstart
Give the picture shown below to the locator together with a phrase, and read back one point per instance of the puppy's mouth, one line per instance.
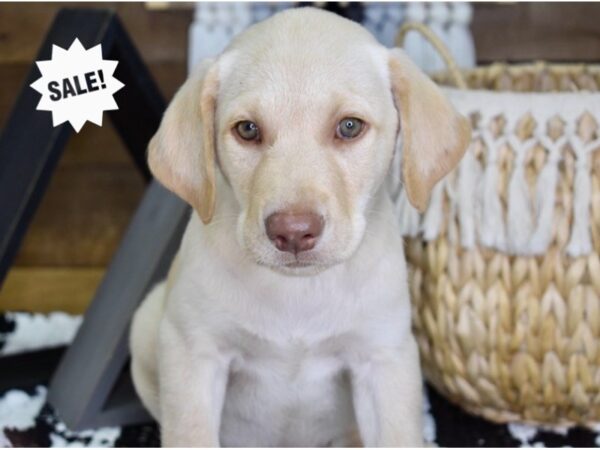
(300, 267)
(298, 264)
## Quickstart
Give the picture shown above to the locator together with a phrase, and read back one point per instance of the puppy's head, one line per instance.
(302, 114)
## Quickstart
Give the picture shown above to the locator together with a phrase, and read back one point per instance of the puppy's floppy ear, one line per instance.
(434, 135)
(181, 155)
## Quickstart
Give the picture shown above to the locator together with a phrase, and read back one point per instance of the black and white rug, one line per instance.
(26, 420)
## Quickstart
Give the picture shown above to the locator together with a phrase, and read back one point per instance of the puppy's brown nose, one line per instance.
(294, 232)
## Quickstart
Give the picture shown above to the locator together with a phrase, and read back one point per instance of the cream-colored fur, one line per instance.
(245, 345)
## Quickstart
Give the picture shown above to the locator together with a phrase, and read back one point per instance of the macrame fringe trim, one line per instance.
(526, 224)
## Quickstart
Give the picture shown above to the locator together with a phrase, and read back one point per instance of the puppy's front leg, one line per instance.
(192, 380)
(387, 390)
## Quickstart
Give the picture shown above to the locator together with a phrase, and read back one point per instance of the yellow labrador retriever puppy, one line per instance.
(285, 318)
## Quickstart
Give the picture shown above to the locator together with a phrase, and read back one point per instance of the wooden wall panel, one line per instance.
(561, 31)
(95, 188)
(160, 35)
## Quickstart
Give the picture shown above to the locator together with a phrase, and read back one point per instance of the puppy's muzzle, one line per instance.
(294, 232)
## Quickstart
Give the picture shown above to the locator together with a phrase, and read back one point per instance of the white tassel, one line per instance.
(460, 39)
(260, 11)
(492, 229)
(545, 198)
(439, 14)
(408, 216)
(207, 35)
(520, 220)
(580, 242)
(469, 174)
(414, 43)
(374, 13)
(451, 194)
(432, 221)
(394, 16)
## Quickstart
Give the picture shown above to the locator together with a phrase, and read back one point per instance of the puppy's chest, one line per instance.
(291, 357)
(285, 390)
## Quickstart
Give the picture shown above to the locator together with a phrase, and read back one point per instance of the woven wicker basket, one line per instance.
(505, 272)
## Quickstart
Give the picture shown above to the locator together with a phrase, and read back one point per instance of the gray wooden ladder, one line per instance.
(91, 386)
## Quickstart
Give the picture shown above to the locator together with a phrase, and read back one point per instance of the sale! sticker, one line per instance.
(77, 85)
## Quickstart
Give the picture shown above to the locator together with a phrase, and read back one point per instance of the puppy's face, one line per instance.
(302, 114)
(305, 134)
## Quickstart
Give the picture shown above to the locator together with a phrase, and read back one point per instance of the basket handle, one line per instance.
(437, 44)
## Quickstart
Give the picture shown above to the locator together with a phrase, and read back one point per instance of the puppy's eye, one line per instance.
(247, 130)
(349, 128)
